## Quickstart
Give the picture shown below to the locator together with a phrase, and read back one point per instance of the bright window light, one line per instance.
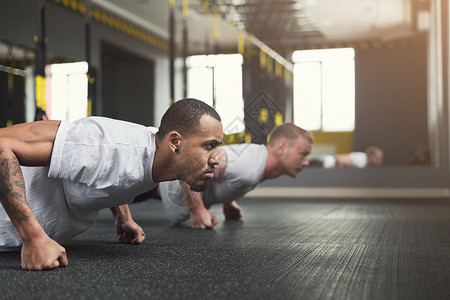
(200, 84)
(324, 89)
(69, 91)
(308, 104)
(217, 80)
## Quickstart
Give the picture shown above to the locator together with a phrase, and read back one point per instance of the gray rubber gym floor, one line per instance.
(284, 249)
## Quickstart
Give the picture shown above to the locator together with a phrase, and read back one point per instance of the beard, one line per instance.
(199, 185)
(196, 183)
(197, 188)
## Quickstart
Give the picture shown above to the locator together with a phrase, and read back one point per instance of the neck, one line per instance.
(163, 168)
(272, 169)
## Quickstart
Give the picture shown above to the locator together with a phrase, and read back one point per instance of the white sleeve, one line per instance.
(100, 153)
(329, 161)
(174, 202)
(359, 159)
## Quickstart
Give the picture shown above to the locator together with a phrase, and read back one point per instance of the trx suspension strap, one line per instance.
(91, 73)
(172, 50)
(40, 42)
(10, 93)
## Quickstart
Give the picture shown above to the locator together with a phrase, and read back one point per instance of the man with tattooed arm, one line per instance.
(55, 176)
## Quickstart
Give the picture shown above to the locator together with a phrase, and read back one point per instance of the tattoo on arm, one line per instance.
(12, 189)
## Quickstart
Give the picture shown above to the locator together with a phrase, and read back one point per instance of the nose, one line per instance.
(214, 158)
(306, 162)
(213, 161)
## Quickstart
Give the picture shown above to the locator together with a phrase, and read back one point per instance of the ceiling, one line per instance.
(277, 23)
(283, 25)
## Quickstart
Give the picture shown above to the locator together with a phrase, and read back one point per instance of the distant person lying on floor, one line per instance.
(372, 157)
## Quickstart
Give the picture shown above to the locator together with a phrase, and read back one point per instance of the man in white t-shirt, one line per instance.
(240, 169)
(55, 176)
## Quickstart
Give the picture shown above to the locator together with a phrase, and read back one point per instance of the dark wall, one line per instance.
(128, 84)
(12, 106)
(65, 30)
(391, 99)
(18, 20)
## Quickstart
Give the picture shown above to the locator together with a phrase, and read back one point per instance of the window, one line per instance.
(324, 89)
(68, 86)
(217, 80)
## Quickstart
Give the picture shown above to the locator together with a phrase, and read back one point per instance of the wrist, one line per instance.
(122, 219)
(121, 214)
(196, 208)
(227, 204)
(31, 232)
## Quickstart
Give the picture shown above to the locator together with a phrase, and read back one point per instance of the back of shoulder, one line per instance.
(245, 152)
(115, 131)
(245, 162)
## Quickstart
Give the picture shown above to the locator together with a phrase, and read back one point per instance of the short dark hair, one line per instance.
(289, 131)
(184, 117)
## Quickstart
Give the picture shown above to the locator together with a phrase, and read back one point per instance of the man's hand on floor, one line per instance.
(202, 219)
(232, 211)
(43, 253)
(129, 232)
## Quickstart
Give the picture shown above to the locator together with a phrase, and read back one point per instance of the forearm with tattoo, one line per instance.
(12, 189)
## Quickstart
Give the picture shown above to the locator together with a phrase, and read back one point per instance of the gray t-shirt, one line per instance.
(244, 170)
(96, 163)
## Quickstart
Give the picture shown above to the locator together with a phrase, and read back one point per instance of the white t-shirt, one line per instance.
(96, 163)
(244, 170)
(359, 160)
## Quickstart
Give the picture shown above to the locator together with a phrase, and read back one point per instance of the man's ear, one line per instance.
(174, 139)
(281, 146)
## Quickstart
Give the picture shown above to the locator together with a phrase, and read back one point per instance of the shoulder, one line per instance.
(104, 122)
(244, 151)
(328, 161)
(359, 159)
(245, 160)
(112, 130)
(357, 155)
